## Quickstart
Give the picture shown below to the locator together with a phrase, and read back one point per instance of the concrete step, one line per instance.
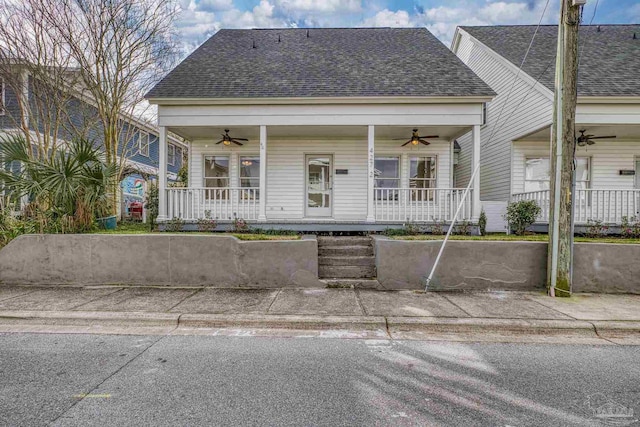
(344, 241)
(352, 283)
(346, 271)
(345, 251)
(347, 260)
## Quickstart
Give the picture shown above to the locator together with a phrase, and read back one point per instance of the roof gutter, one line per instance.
(324, 100)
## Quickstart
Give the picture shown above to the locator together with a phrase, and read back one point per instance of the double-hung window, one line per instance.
(143, 143)
(250, 177)
(216, 176)
(171, 154)
(387, 178)
(538, 173)
(422, 177)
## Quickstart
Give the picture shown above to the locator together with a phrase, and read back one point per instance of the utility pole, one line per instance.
(563, 145)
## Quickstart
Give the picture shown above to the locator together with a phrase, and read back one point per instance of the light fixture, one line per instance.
(414, 141)
(247, 163)
(226, 142)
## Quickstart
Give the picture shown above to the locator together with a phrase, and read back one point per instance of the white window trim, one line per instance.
(204, 170)
(169, 162)
(239, 177)
(389, 156)
(145, 134)
(525, 180)
(417, 156)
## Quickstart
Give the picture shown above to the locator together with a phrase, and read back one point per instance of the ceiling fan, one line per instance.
(227, 140)
(415, 139)
(583, 139)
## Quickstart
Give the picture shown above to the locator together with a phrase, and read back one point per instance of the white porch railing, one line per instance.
(421, 204)
(192, 204)
(608, 206)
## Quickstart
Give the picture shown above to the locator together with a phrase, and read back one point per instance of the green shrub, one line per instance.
(174, 225)
(151, 205)
(482, 223)
(630, 227)
(596, 228)
(463, 228)
(239, 225)
(521, 215)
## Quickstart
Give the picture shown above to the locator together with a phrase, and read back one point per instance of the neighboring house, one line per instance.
(325, 114)
(140, 150)
(516, 139)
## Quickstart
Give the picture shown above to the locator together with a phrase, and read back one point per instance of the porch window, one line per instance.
(250, 176)
(422, 178)
(171, 154)
(538, 174)
(387, 176)
(216, 175)
(143, 143)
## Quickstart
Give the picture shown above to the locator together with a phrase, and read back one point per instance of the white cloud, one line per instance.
(323, 6)
(387, 18)
(261, 16)
(215, 5)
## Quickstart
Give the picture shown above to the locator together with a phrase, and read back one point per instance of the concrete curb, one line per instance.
(392, 325)
(282, 321)
(491, 326)
(89, 318)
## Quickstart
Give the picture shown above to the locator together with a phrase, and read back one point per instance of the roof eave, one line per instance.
(609, 99)
(324, 100)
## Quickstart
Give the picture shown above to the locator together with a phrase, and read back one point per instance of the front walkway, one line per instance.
(496, 316)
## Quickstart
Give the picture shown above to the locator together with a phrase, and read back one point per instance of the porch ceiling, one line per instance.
(317, 132)
(622, 132)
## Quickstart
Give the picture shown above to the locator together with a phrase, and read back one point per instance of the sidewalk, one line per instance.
(497, 316)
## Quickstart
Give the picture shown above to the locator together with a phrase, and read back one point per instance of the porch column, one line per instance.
(371, 174)
(476, 182)
(262, 215)
(162, 175)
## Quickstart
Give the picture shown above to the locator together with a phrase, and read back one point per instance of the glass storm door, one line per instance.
(319, 185)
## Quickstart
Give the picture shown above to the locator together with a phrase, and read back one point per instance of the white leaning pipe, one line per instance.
(453, 222)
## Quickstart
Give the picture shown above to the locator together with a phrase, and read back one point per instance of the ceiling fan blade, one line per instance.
(220, 142)
(422, 141)
(406, 143)
(236, 142)
(430, 136)
(241, 139)
(602, 137)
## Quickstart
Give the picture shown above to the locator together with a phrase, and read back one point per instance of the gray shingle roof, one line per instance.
(331, 62)
(610, 58)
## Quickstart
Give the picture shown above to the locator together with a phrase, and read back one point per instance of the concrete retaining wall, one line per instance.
(487, 265)
(162, 259)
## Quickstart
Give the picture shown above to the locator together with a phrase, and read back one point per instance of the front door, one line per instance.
(319, 193)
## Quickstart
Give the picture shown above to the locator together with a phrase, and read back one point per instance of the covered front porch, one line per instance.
(331, 173)
(607, 174)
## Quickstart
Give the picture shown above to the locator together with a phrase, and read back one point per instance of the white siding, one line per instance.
(607, 158)
(525, 111)
(286, 171)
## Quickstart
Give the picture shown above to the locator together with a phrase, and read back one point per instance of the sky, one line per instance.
(200, 19)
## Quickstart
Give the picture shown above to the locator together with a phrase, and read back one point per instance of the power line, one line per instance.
(477, 168)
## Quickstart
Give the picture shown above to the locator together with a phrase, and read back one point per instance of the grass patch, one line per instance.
(127, 228)
(514, 238)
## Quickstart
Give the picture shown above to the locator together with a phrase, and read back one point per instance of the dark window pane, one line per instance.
(216, 166)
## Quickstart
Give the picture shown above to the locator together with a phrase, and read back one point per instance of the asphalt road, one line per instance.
(86, 380)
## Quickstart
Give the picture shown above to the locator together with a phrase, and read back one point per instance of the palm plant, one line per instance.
(70, 186)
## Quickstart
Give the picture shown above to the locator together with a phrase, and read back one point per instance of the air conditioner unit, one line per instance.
(579, 2)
